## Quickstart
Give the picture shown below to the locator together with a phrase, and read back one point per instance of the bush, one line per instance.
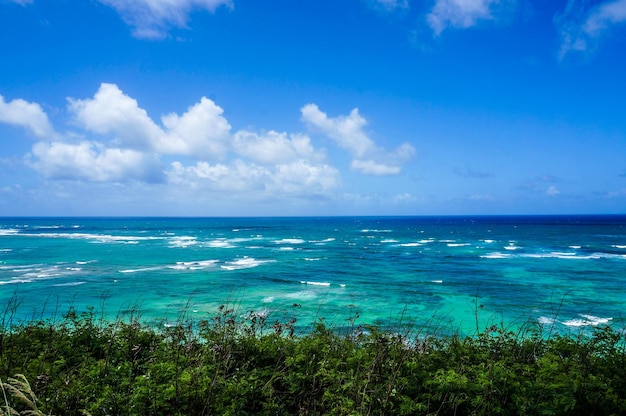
(229, 365)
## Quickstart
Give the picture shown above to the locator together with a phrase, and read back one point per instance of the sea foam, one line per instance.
(244, 263)
(587, 320)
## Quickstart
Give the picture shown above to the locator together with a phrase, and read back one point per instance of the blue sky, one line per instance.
(283, 107)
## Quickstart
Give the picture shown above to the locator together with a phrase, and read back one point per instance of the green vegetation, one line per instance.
(233, 366)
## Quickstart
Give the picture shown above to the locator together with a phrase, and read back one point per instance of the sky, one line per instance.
(312, 107)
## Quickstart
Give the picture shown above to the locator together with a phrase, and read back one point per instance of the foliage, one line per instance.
(236, 365)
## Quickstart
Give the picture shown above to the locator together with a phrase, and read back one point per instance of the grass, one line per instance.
(243, 364)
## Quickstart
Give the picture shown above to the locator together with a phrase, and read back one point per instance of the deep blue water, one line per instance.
(434, 272)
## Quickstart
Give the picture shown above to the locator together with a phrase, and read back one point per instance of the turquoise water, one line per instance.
(437, 273)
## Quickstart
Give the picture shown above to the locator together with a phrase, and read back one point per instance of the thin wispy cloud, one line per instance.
(459, 14)
(388, 5)
(581, 27)
(553, 191)
(152, 19)
(537, 184)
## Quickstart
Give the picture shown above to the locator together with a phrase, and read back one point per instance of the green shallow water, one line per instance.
(438, 273)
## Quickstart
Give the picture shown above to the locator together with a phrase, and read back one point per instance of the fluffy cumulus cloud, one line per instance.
(298, 178)
(200, 132)
(27, 115)
(459, 14)
(580, 27)
(273, 147)
(110, 111)
(93, 162)
(348, 132)
(151, 19)
(119, 142)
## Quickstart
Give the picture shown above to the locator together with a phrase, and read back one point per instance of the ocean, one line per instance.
(433, 274)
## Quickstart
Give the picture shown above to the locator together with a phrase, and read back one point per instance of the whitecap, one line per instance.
(96, 238)
(69, 284)
(311, 259)
(286, 248)
(81, 262)
(619, 246)
(289, 241)
(587, 320)
(511, 247)
(14, 281)
(268, 299)
(436, 281)
(389, 241)
(458, 244)
(183, 241)
(496, 255)
(263, 313)
(193, 265)
(489, 241)
(411, 244)
(8, 231)
(544, 320)
(143, 269)
(375, 231)
(244, 263)
(560, 255)
(575, 247)
(321, 242)
(315, 283)
(219, 243)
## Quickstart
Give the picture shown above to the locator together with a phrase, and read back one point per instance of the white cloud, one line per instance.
(460, 14)
(303, 178)
(27, 115)
(93, 162)
(112, 112)
(370, 167)
(347, 132)
(553, 191)
(604, 16)
(151, 19)
(199, 132)
(116, 141)
(580, 27)
(388, 5)
(273, 147)
(404, 198)
(296, 178)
